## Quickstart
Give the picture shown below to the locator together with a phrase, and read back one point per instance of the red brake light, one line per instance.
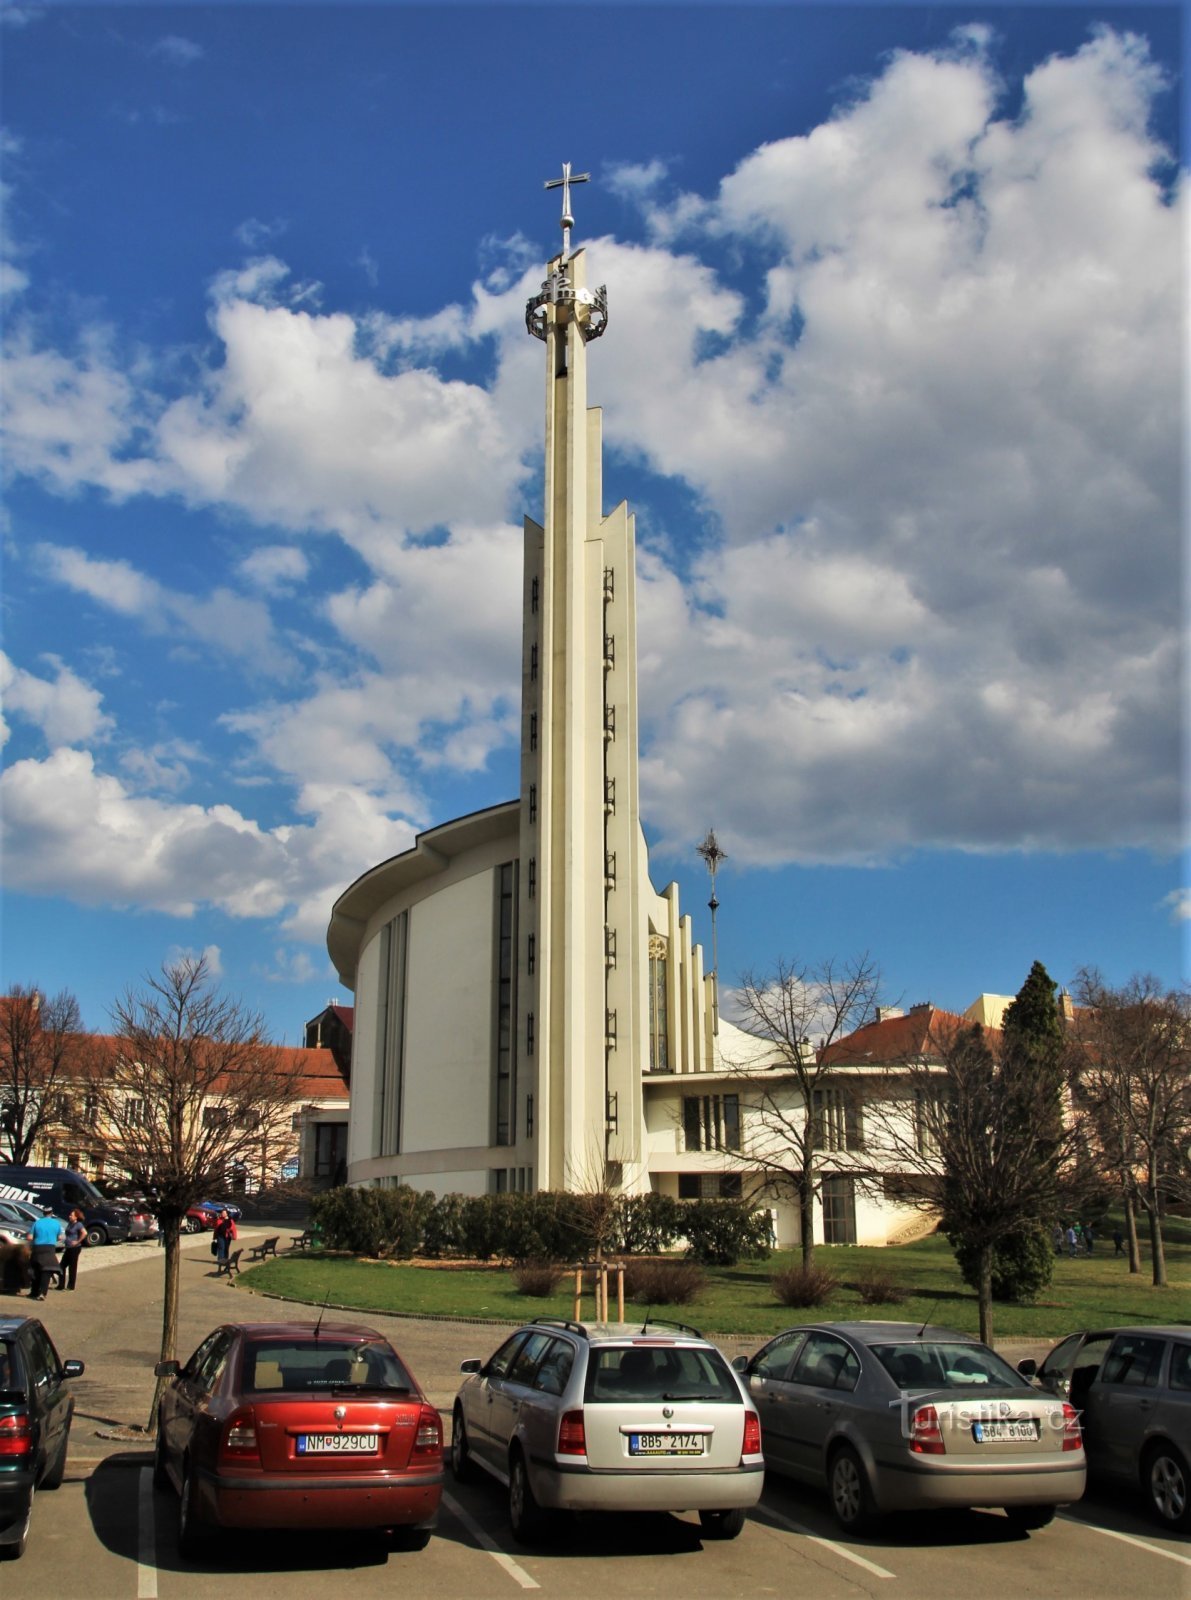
(1072, 1436)
(752, 1434)
(240, 1438)
(428, 1439)
(16, 1436)
(926, 1436)
(572, 1437)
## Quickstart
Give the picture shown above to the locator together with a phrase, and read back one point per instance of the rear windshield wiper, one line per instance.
(714, 1395)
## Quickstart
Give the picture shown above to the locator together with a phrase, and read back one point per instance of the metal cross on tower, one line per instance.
(564, 183)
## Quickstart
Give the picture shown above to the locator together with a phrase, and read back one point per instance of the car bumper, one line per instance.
(583, 1489)
(918, 1489)
(16, 1500)
(339, 1502)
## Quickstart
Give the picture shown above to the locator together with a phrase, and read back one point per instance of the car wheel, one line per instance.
(191, 1531)
(526, 1517)
(462, 1465)
(57, 1469)
(1167, 1481)
(191, 1225)
(161, 1478)
(1027, 1518)
(722, 1524)
(97, 1236)
(851, 1498)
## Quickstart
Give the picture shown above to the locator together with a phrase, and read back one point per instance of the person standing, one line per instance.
(47, 1237)
(1072, 1242)
(76, 1238)
(225, 1232)
(1118, 1239)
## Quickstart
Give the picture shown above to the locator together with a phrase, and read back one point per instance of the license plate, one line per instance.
(337, 1444)
(990, 1432)
(665, 1444)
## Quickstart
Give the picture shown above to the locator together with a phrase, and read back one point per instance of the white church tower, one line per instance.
(581, 1001)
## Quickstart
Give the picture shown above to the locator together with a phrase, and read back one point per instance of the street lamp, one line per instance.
(712, 856)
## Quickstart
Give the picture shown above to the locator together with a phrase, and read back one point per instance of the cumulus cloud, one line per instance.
(67, 710)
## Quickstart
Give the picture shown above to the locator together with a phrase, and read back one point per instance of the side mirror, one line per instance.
(1028, 1368)
(740, 1364)
(72, 1369)
(166, 1369)
(472, 1365)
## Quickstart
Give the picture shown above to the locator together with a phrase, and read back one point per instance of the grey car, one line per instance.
(898, 1416)
(610, 1417)
(1132, 1387)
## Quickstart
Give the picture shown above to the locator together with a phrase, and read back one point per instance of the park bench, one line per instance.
(301, 1240)
(267, 1247)
(230, 1267)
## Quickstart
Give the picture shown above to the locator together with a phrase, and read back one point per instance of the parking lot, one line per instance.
(105, 1535)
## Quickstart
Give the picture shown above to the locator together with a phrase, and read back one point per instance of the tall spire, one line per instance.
(588, 308)
(564, 183)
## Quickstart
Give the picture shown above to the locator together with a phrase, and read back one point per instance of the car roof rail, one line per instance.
(562, 1322)
(667, 1322)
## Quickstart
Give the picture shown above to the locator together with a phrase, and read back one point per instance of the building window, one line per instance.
(533, 802)
(709, 1186)
(533, 595)
(839, 1209)
(533, 730)
(928, 1112)
(136, 1114)
(528, 1115)
(838, 1121)
(506, 962)
(529, 1027)
(531, 878)
(659, 1009)
(394, 942)
(711, 1121)
(533, 662)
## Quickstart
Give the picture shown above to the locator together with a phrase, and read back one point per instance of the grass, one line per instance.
(1090, 1291)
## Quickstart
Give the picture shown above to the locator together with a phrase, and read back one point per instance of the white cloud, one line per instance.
(177, 50)
(275, 567)
(1179, 902)
(67, 710)
(210, 953)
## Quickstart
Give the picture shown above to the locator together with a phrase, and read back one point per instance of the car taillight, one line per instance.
(16, 1436)
(752, 1434)
(1072, 1436)
(926, 1436)
(572, 1437)
(428, 1439)
(239, 1439)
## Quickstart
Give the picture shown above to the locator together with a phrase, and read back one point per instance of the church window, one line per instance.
(838, 1121)
(531, 953)
(533, 595)
(533, 802)
(529, 1032)
(531, 877)
(711, 1121)
(506, 945)
(394, 939)
(533, 663)
(529, 1116)
(659, 1010)
(533, 730)
(839, 1209)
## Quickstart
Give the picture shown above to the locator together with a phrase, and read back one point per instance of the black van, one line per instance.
(62, 1191)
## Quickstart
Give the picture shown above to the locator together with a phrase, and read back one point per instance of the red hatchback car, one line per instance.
(298, 1425)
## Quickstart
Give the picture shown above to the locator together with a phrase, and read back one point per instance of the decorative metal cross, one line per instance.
(564, 183)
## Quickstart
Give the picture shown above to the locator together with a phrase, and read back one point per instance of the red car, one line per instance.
(298, 1425)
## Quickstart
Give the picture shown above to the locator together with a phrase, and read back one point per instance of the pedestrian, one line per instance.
(1072, 1241)
(1118, 1239)
(76, 1238)
(47, 1237)
(1058, 1239)
(1089, 1238)
(225, 1232)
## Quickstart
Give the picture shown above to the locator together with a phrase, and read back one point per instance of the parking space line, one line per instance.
(486, 1542)
(146, 1538)
(1128, 1538)
(828, 1544)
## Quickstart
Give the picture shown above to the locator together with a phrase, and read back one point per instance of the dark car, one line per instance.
(35, 1412)
(298, 1425)
(1132, 1387)
(898, 1416)
(61, 1191)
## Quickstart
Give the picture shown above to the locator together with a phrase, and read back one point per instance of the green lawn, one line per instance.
(1085, 1292)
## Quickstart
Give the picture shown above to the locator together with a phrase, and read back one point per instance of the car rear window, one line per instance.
(12, 1377)
(659, 1372)
(920, 1364)
(307, 1366)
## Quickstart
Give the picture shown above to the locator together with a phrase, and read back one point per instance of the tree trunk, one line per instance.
(985, 1294)
(171, 1227)
(1157, 1247)
(806, 1222)
(1131, 1232)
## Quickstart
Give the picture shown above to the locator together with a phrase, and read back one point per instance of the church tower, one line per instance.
(580, 1006)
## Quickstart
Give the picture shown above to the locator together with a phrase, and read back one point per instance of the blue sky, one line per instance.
(890, 381)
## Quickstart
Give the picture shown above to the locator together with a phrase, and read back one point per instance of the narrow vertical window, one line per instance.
(533, 730)
(531, 953)
(504, 1131)
(533, 663)
(659, 1032)
(533, 595)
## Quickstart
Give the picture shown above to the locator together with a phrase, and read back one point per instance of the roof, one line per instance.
(317, 1076)
(910, 1037)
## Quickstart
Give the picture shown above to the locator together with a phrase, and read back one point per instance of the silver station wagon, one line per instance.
(894, 1416)
(610, 1417)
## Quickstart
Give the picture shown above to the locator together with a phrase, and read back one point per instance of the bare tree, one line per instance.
(802, 1009)
(1135, 1078)
(41, 1050)
(188, 1089)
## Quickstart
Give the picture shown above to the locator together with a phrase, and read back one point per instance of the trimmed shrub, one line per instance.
(803, 1286)
(1023, 1264)
(539, 1279)
(645, 1224)
(442, 1232)
(720, 1232)
(661, 1283)
(372, 1222)
(879, 1288)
